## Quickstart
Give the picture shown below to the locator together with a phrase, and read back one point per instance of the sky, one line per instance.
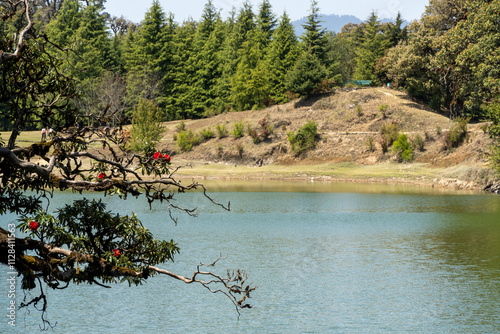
(134, 10)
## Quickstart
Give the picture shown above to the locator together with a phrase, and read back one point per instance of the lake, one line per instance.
(326, 258)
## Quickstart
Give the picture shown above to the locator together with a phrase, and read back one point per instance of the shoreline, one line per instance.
(416, 174)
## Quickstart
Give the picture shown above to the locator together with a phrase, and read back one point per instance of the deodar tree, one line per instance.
(82, 242)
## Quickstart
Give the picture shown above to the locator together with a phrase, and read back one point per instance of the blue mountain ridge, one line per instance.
(333, 22)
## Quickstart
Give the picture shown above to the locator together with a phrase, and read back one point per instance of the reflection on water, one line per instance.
(325, 262)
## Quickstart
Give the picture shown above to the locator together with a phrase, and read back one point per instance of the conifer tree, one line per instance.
(266, 22)
(307, 73)
(372, 47)
(208, 45)
(239, 31)
(83, 30)
(314, 40)
(183, 72)
(145, 57)
(250, 84)
(283, 52)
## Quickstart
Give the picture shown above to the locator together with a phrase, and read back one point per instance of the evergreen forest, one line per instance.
(253, 58)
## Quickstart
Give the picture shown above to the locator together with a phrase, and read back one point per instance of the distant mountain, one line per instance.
(333, 22)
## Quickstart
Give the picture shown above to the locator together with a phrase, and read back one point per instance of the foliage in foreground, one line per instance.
(81, 242)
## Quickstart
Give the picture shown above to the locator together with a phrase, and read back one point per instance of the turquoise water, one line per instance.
(389, 260)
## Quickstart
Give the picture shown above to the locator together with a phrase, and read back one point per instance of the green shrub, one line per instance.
(238, 130)
(370, 143)
(383, 110)
(186, 140)
(304, 139)
(390, 131)
(207, 134)
(457, 134)
(484, 127)
(419, 143)
(402, 148)
(359, 111)
(221, 130)
(181, 126)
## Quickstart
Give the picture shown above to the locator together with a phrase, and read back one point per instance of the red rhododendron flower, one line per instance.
(116, 252)
(167, 157)
(33, 226)
(102, 176)
(156, 155)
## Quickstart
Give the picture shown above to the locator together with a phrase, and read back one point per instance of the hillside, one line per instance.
(342, 152)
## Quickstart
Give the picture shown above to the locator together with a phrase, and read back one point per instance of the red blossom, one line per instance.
(102, 176)
(156, 156)
(33, 225)
(116, 252)
(167, 157)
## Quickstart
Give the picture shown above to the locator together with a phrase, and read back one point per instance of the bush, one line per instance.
(181, 126)
(384, 144)
(370, 143)
(238, 130)
(484, 127)
(186, 140)
(383, 110)
(419, 142)
(359, 111)
(221, 130)
(390, 131)
(254, 134)
(439, 131)
(402, 148)
(457, 134)
(207, 134)
(266, 129)
(304, 139)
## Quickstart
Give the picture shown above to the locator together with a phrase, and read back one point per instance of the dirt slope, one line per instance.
(346, 120)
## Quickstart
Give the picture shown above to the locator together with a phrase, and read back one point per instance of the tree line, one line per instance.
(253, 59)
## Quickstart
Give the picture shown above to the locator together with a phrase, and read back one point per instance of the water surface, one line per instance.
(385, 260)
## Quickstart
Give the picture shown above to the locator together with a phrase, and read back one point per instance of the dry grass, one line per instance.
(346, 120)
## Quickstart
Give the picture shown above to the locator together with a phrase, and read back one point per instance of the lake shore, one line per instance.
(417, 174)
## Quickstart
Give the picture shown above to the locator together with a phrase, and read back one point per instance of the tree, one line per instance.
(314, 39)
(82, 242)
(306, 75)
(372, 47)
(83, 28)
(146, 125)
(281, 57)
(266, 22)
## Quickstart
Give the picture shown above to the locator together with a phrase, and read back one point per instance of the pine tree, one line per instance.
(230, 56)
(83, 30)
(284, 51)
(250, 84)
(207, 61)
(314, 40)
(183, 72)
(145, 57)
(306, 75)
(372, 47)
(266, 22)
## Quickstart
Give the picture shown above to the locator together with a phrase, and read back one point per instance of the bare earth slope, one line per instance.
(346, 120)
